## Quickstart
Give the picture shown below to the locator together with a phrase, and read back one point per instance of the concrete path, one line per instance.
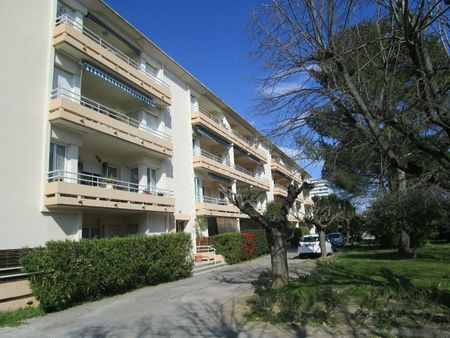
(207, 305)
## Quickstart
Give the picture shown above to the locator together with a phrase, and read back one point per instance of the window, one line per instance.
(64, 10)
(194, 103)
(90, 232)
(57, 158)
(111, 172)
(151, 69)
(134, 178)
(198, 190)
(152, 178)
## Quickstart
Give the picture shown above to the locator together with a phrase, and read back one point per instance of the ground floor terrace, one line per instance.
(88, 224)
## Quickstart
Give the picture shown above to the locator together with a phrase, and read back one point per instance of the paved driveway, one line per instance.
(207, 305)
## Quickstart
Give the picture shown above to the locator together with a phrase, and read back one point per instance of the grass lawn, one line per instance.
(365, 287)
(15, 317)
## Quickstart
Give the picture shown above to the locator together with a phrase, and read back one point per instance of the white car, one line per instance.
(310, 245)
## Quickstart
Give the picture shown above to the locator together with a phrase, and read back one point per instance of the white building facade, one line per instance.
(105, 135)
(321, 188)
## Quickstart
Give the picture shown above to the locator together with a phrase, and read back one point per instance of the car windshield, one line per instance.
(334, 236)
(310, 239)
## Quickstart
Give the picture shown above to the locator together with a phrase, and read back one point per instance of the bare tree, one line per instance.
(275, 224)
(374, 74)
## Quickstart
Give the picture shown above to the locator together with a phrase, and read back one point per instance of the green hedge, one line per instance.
(229, 246)
(235, 246)
(262, 247)
(68, 272)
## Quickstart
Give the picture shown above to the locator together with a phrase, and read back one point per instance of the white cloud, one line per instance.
(299, 81)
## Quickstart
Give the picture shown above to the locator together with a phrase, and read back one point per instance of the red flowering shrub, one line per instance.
(248, 248)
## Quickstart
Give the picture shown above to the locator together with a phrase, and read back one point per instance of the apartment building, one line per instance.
(321, 188)
(105, 135)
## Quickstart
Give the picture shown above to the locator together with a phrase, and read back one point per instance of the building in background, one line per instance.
(104, 134)
(321, 188)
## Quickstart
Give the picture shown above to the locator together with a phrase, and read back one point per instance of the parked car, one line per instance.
(310, 246)
(337, 239)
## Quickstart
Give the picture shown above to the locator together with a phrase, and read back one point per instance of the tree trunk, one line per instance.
(278, 257)
(322, 242)
(404, 242)
(347, 235)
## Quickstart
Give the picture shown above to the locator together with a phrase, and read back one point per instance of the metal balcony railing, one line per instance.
(212, 200)
(218, 121)
(90, 34)
(291, 170)
(98, 107)
(227, 163)
(104, 182)
(280, 187)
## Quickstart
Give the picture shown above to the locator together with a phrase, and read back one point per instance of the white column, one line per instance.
(231, 154)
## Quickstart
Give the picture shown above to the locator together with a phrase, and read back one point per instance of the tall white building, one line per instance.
(104, 134)
(321, 188)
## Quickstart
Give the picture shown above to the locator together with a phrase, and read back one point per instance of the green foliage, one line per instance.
(272, 211)
(229, 245)
(65, 273)
(262, 247)
(418, 212)
(382, 289)
(238, 247)
(15, 317)
(200, 226)
(300, 305)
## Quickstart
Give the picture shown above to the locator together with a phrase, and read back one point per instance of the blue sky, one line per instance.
(209, 39)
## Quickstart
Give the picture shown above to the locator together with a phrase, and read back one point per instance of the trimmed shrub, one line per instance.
(65, 273)
(248, 248)
(229, 246)
(262, 247)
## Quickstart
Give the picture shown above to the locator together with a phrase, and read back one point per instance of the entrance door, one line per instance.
(180, 225)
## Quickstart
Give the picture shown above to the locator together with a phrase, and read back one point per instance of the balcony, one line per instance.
(216, 207)
(214, 163)
(72, 110)
(285, 170)
(202, 117)
(279, 190)
(76, 39)
(68, 189)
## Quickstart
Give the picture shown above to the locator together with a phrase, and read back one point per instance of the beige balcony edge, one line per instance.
(70, 111)
(280, 192)
(274, 166)
(66, 33)
(73, 194)
(199, 118)
(222, 169)
(216, 210)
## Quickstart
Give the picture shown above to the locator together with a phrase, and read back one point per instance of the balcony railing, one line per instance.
(218, 121)
(291, 170)
(211, 200)
(227, 163)
(103, 182)
(71, 21)
(98, 107)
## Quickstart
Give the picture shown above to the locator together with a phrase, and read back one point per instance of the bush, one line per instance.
(248, 248)
(65, 273)
(262, 247)
(229, 245)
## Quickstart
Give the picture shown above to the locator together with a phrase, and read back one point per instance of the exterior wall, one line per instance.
(183, 172)
(26, 76)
